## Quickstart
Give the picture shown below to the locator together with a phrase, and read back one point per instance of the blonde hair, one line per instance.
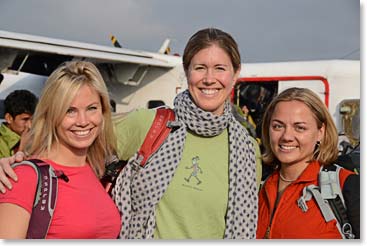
(60, 89)
(328, 149)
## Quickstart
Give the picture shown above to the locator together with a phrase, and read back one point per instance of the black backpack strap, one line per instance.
(113, 168)
(340, 214)
(45, 197)
(351, 194)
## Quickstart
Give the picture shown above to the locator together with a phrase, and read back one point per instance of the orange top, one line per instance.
(289, 221)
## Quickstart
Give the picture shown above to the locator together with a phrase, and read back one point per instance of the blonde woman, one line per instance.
(73, 132)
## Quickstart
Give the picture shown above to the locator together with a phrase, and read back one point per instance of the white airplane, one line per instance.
(129, 74)
(139, 79)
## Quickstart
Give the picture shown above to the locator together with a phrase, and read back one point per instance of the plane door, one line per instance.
(257, 92)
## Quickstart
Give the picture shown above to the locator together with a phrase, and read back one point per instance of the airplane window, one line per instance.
(155, 103)
(113, 105)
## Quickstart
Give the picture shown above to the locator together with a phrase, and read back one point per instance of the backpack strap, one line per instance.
(313, 191)
(161, 127)
(113, 168)
(156, 135)
(332, 193)
(329, 182)
(45, 197)
(329, 198)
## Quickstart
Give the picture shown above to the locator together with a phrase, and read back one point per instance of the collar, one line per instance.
(310, 174)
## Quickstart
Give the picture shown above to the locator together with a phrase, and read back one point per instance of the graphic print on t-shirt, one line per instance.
(195, 170)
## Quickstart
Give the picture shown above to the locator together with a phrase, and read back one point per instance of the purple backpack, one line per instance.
(45, 197)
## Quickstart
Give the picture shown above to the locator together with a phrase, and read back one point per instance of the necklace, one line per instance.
(286, 180)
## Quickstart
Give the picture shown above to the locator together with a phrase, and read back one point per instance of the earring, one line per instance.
(316, 150)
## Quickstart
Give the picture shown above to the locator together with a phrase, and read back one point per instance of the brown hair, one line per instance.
(328, 151)
(207, 37)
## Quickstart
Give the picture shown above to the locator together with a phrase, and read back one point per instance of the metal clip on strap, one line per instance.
(136, 163)
(347, 231)
(173, 124)
(302, 201)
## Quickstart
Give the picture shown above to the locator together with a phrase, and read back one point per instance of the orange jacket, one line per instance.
(288, 219)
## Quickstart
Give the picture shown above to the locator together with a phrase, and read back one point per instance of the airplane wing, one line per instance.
(41, 55)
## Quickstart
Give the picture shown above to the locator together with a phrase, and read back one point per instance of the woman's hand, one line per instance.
(6, 171)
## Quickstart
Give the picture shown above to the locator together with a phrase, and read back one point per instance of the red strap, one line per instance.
(157, 133)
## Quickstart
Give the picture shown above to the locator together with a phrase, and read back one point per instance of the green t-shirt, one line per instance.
(195, 202)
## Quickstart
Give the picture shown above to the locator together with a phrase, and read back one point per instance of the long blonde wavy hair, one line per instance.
(57, 96)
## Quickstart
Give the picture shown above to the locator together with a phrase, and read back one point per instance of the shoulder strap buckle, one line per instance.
(329, 183)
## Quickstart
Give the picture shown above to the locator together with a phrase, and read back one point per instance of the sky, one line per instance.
(265, 30)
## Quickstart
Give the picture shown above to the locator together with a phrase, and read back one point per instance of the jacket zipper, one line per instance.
(278, 200)
(267, 233)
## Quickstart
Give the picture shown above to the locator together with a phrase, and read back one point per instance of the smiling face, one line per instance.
(82, 122)
(211, 77)
(293, 133)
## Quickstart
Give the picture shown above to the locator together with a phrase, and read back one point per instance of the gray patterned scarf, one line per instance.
(138, 191)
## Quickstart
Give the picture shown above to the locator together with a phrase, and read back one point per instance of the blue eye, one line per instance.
(71, 111)
(92, 108)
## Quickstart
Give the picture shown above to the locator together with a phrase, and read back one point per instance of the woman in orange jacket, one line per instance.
(299, 138)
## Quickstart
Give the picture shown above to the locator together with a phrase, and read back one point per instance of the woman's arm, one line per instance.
(131, 132)
(16, 205)
(14, 221)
